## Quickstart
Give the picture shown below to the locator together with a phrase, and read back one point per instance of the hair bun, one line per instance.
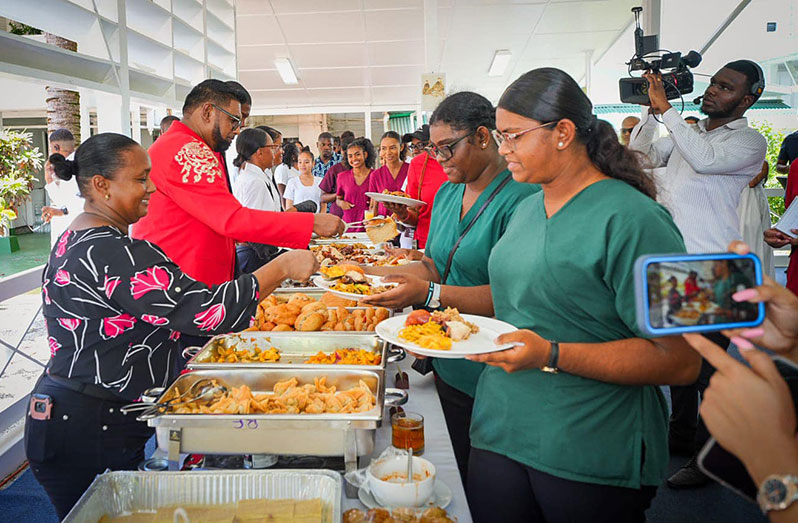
(63, 168)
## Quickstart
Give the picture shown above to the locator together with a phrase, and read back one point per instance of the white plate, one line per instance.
(479, 343)
(321, 281)
(392, 198)
(441, 497)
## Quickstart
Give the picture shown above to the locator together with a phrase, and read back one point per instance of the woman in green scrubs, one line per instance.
(460, 131)
(584, 439)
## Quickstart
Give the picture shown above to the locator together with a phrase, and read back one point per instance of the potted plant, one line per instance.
(19, 160)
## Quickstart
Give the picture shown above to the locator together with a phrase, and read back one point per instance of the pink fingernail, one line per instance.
(745, 295)
(753, 333)
(742, 343)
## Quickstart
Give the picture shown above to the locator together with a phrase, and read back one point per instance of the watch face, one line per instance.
(775, 491)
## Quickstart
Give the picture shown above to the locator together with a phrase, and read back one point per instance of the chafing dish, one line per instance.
(350, 435)
(295, 348)
(120, 492)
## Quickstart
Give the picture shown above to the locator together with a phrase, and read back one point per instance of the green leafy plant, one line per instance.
(19, 160)
(774, 139)
(18, 28)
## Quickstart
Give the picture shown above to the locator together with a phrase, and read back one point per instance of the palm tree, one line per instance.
(63, 106)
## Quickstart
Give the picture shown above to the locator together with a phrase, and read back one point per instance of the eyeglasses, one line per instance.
(418, 147)
(626, 130)
(273, 146)
(445, 152)
(235, 119)
(511, 138)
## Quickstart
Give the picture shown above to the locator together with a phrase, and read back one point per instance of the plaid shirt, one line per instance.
(320, 168)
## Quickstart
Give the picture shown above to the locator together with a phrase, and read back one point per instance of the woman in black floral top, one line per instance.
(115, 308)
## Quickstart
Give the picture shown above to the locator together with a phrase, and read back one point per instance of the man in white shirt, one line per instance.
(64, 195)
(707, 167)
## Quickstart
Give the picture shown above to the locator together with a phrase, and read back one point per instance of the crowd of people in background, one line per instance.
(571, 423)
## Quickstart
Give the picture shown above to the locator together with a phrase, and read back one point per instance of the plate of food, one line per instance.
(349, 281)
(381, 230)
(399, 197)
(444, 334)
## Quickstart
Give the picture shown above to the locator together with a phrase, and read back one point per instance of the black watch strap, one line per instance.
(554, 359)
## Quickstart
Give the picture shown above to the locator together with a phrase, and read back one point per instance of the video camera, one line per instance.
(678, 80)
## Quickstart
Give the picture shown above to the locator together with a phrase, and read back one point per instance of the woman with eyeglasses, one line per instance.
(255, 188)
(354, 183)
(424, 178)
(570, 424)
(393, 173)
(481, 190)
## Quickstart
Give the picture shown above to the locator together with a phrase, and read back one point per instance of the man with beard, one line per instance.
(193, 216)
(707, 167)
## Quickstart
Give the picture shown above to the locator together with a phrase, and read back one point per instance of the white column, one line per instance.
(135, 122)
(109, 117)
(651, 18)
(124, 73)
(588, 72)
(85, 122)
(431, 37)
(367, 132)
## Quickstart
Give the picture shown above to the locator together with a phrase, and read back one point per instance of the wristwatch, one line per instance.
(777, 492)
(435, 298)
(554, 359)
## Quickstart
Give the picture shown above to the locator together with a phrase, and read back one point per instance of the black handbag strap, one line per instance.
(468, 227)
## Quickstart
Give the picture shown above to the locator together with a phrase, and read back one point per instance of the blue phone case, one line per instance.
(641, 293)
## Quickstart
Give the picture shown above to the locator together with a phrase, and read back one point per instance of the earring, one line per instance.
(560, 144)
(484, 145)
(107, 196)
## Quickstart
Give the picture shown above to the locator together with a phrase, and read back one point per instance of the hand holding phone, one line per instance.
(751, 414)
(684, 293)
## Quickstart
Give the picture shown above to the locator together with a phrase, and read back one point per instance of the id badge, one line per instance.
(40, 406)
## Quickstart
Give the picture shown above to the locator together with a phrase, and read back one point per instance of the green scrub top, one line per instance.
(470, 263)
(570, 278)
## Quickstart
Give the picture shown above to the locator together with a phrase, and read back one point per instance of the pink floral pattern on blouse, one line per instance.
(115, 308)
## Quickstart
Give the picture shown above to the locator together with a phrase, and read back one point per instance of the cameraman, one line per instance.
(707, 167)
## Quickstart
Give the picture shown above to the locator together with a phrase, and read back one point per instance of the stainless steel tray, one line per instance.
(349, 435)
(116, 493)
(295, 348)
(313, 292)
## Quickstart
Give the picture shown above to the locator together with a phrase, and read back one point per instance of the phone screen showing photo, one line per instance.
(699, 292)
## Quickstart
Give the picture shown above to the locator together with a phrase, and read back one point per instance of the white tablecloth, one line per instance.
(423, 399)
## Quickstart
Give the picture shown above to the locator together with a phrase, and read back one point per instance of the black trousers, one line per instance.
(500, 489)
(83, 437)
(457, 407)
(687, 429)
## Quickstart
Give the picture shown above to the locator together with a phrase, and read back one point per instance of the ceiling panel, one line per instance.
(365, 52)
(257, 29)
(354, 77)
(321, 28)
(313, 6)
(329, 55)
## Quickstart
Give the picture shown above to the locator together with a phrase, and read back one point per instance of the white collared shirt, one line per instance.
(256, 189)
(706, 171)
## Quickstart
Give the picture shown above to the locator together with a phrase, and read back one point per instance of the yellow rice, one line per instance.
(429, 336)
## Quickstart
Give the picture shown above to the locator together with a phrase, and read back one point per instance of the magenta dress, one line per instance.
(381, 179)
(355, 194)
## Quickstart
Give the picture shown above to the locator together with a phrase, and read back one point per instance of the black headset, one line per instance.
(759, 86)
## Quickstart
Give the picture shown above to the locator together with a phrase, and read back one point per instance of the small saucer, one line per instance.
(441, 497)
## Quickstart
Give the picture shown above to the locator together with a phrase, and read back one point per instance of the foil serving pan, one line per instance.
(295, 348)
(117, 493)
(288, 434)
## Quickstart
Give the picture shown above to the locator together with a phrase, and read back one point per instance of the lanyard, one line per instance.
(468, 227)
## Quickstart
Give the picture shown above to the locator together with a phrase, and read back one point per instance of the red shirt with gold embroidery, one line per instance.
(194, 218)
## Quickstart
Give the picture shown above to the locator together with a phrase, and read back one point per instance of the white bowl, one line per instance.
(395, 492)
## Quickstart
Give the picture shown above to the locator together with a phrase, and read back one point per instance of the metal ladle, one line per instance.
(409, 475)
(198, 390)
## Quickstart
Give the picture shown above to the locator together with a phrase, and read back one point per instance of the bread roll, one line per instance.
(331, 300)
(310, 321)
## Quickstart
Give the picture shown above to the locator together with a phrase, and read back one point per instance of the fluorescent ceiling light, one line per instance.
(500, 62)
(286, 70)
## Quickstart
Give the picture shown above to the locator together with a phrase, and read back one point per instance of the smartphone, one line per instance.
(722, 466)
(678, 293)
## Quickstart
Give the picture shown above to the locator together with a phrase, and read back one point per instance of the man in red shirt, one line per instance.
(193, 216)
(424, 178)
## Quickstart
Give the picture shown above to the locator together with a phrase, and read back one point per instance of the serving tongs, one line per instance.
(203, 389)
(362, 223)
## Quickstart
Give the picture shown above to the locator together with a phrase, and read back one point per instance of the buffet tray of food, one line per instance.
(316, 350)
(296, 411)
(264, 495)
